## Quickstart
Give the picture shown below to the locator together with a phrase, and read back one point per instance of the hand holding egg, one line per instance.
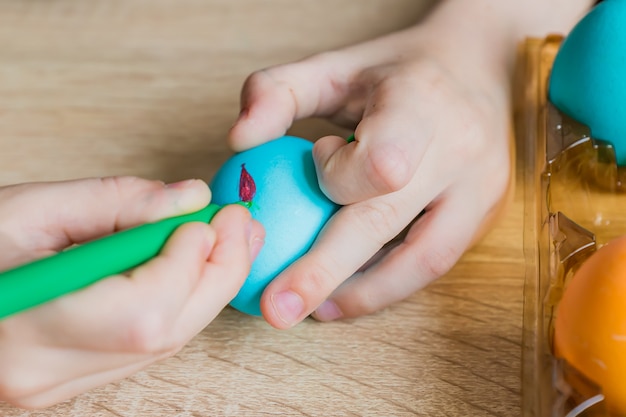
(278, 183)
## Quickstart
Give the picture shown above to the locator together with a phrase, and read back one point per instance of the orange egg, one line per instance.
(590, 326)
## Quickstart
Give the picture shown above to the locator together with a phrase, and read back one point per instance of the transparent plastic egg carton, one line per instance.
(575, 201)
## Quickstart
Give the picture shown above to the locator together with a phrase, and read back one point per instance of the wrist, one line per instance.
(521, 19)
(489, 31)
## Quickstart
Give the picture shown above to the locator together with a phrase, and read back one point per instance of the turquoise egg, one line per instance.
(278, 182)
(588, 79)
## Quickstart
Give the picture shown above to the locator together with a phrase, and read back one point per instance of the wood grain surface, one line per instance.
(150, 88)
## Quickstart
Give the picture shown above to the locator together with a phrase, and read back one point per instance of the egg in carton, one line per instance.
(575, 294)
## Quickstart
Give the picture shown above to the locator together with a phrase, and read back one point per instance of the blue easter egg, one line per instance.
(588, 78)
(278, 182)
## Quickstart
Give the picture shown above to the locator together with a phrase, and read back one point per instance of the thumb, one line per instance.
(58, 214)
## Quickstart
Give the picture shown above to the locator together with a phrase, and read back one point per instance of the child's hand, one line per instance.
(123, 323)
(431, 108)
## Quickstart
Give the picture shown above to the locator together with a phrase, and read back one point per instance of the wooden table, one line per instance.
(150, 88)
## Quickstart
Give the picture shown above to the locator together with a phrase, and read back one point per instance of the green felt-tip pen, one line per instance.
(45, 279)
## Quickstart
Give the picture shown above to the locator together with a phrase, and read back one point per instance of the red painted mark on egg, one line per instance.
(247, 187)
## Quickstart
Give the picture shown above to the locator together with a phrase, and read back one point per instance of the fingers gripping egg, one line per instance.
(590, 326)
(588, 78)
(278, 183)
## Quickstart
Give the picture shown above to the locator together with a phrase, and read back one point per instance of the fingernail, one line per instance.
(328, 311)
(288, 306)
(256, 244)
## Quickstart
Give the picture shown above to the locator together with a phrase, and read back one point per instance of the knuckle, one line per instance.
(430, 80)
(150, 334)
(475, 139)
(260, 79)
(437, 261)
(116, 187)
(376, 220)
(119, 184)
(255, 79)
(318, 280)
(387, 167)
(122, 189)
(363, 302)
(14, 385)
